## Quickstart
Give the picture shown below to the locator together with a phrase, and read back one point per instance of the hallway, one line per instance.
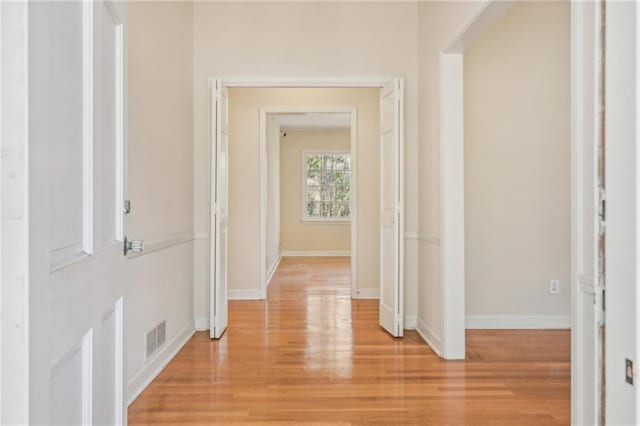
(311, 354)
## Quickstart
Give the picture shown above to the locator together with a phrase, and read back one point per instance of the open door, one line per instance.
(76, 174)
(391, 195)
(219, 208)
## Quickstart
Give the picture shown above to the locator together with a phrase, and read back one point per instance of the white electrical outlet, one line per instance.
(554, 287)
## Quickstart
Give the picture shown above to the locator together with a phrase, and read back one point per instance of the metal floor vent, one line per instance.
(156, 338)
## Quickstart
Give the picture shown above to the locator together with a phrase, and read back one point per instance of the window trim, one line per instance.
(324, 220)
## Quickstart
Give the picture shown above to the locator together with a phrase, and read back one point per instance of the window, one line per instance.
(326, 186)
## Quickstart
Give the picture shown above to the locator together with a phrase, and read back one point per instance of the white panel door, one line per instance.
(219, 209)
(587, 286)
(391, 297)
(76, 220)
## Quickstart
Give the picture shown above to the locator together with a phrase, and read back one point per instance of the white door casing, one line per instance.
(219, 208)
(586, 137)
(622, 87)
(14, 224)
(391, 219)
(394, 252)
(76, 177)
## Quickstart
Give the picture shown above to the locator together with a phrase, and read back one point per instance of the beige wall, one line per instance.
(244, 194)
(294, 234)
(280, 39)
(159, 284)
(517, 163)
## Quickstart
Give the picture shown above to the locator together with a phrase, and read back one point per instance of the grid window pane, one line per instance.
(313, 209)
(327, 186)
(314, 162)
(314, 177)
(313, 194)
(341, 162)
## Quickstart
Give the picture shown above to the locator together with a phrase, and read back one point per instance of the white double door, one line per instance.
(391, 200)
(76, 223)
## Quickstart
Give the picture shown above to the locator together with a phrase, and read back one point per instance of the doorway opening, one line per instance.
(311, 190)
(345, 188)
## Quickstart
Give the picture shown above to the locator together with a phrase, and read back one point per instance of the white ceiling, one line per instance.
(319, 120)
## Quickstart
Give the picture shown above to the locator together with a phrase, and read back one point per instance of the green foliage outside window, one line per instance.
(328, 186)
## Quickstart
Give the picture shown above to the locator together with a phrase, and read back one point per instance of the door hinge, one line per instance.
(628, 371)
(126, 206)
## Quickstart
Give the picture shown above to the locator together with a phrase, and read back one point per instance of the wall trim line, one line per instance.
(315, 253)
(164, 243)
(366, 293)
(273, 268)
(506, 322)
(245, 294)
(429, 336)
(201, 323)
(410, 322)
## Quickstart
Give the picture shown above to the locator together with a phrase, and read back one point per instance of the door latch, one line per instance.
(134, 246)
(126, 207)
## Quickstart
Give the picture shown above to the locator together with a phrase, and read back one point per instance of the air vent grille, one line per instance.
(155, 338)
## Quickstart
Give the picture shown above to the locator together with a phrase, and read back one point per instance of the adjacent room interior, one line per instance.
(319, 207)
(517, 171)
(309, 187)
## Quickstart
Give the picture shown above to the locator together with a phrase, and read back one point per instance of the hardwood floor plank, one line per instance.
(310, 355)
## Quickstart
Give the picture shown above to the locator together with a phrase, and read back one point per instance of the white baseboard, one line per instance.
(410, 322)
(272, 269)
(201, 323)
(253, 294)
(367, 293)
(315, 253)
(429, 336)
(158, 362)
(497, 322)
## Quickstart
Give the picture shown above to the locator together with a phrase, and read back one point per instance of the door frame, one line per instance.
(303, 82)
(353, 148)
(14, 213)
(452, 221)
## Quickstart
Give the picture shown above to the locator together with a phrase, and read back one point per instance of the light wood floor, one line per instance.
(309, 354)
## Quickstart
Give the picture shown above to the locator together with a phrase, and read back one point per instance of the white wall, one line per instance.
(293, 39)
(159, 284)
(517, 165)
(273, 192)
(295, 234)
(244, 194)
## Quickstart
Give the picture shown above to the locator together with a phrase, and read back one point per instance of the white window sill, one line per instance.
(325, 221)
